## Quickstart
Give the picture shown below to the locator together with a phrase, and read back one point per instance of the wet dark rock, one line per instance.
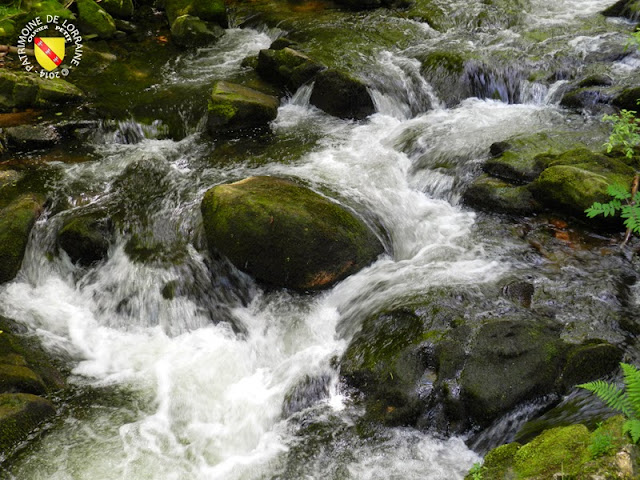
(627, 98)
(85, 238)
(520, 292)
(585, 98)
(495, 195)
(589, 361)
(190, 31)
(285, 234)
(281, 43)
(125, 26)
(624, 8)
(342, 95)
(235, 107)
(596, 80)
(250, 62)
(287, 67)
(16, 221)
(20, 414)
(31, 137)
(306, 394)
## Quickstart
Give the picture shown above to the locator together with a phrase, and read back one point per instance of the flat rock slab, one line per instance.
(235, 107)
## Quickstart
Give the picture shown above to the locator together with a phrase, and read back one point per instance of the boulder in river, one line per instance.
(16, 221)
(287, 67)
(624, 8)
(627, 98)
(85, 238)
(30, 137)
(235, 107)
(20, 413)
(118, 8)
(342, 95)
(285, 234)
(495, 195)
(190, 31)
(93, 19)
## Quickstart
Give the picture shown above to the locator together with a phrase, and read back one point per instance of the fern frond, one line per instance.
(618, 191)
(632, 386)
(631, 214)
(613, 396)
(632, 427)
(594, 210)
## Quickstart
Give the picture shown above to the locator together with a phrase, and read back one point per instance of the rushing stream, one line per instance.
(226, 380)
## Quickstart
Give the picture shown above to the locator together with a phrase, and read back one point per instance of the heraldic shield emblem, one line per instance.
(49, 51)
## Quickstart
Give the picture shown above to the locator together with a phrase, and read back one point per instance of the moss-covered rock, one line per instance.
(16, 221)
(495, 195)
(118, 8)
(565, 452)
(93, 19)
(20, 414)
(23, 90)
(234, 107)
(86, 237)
(578, 178)
(342, 95)
(287, 67)
(189, 31)
(585, 98)
(208, 10)
(19, 378)
(285, 234)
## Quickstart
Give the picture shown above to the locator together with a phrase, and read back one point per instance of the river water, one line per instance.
(199, 386)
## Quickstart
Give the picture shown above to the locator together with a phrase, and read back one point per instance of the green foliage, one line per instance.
(626, 132)
(476, 471)
(602, 443)
(626, 401)
(629, 210)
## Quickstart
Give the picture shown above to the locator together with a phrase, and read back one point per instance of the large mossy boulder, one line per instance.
(16, 221)
(576, 179)
(85, 238)
(287, 67)
(342, 95)
(207, 10)
(26, 90)
(190, 31)
(20, 414)
(94, 19)
(565, 452)
(624, 8)
(627, 98)
(235, 107)
(286, 235)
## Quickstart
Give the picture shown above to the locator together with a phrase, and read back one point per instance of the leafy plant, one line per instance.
(624, 202)
(476, 471)
(601, 443)
(626, 132)
(626, 401)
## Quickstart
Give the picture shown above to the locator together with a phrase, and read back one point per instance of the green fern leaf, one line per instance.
(632, 427)
(613, 396)
(594, 210)
(632, 386)
(618, 191)
(631, 214)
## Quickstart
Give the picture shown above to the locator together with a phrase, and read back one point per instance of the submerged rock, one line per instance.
(85, 238)
(342, 95)
(16, 221)
(20, 414)
(23, 90)
(189, 31)
(29, 137)
(94, 19)
(234, 107)
(287, 67)
(285, 234)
